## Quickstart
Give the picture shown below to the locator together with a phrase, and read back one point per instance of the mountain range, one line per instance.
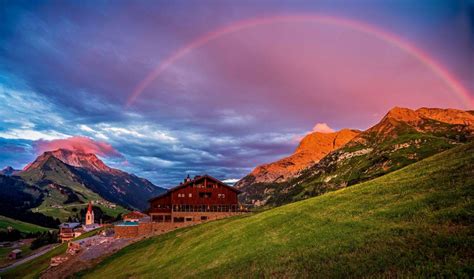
(8, 171)
(312, 148)
(402, 137)
(411, 223)
(58, 183)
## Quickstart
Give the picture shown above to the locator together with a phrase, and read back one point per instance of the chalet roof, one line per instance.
(197, 178)
(89, 208)
(134, 215)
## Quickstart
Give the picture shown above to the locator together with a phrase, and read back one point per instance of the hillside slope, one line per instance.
(23, 227)
(17, 198)
(402, 137)
(414, 222)
(69, 179)
(312, 148)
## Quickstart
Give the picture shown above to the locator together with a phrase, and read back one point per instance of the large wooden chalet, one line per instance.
(195, 200)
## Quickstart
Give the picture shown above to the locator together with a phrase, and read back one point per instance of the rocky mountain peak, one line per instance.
(450, 116)
(419, 120)
(9, 171)
(315, 141)
(402, 114)
(312, 148)
(79, 159)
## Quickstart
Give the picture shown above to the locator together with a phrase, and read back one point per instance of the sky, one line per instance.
(163, 89)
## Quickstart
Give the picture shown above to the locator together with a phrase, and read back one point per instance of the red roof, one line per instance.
(197, 178)
(89, 208)
(134, 215)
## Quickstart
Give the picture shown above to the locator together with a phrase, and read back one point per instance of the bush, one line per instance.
(44, 239)
(10, 235)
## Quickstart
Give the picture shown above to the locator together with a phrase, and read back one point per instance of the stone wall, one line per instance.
(196, 216)
(148, 228)
(126, 231)
(145, 228)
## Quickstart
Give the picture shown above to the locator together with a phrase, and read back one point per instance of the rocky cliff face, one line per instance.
(85, 175)
(312, 148)
(72, 158)
(403, 136)
(425, 120)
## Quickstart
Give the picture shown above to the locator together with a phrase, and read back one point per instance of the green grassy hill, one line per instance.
(414, 222)
(401, 138)
(6, 222)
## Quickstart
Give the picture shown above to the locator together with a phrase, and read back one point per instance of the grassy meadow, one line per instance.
(24, 227)
(414, 222)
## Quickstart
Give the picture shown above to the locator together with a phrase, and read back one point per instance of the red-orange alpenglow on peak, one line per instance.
(311, 149)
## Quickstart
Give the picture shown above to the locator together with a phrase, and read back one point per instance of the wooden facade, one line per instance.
(68, 231)
(199, 199)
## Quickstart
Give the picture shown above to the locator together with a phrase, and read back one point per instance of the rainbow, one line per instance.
(436, 68)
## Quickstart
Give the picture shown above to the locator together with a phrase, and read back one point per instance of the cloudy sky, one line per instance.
(166, 88)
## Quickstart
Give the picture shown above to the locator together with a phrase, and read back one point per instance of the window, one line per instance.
(189, 219)
(221, 196)
(204, 195)
(181, 195)
(190, 195)
(178, 219)
(203, 218)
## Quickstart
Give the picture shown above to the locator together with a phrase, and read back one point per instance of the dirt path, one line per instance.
(94, 250)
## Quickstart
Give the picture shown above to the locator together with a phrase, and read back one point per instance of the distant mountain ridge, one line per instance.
(402, 137)
(61, 182)
(66, 167)
(424, 120)
(9, 171)
(73, 158)
(312, 148)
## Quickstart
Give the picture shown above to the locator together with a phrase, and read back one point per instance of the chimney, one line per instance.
(187, 179)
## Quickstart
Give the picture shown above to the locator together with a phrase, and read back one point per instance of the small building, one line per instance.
(134, 216)
(89, 215)
(68, 231)
(15, 254)
(90, 220)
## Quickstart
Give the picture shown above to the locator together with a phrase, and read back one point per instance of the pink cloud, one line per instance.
(322, 128)
(304, 75)
(78, 143)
